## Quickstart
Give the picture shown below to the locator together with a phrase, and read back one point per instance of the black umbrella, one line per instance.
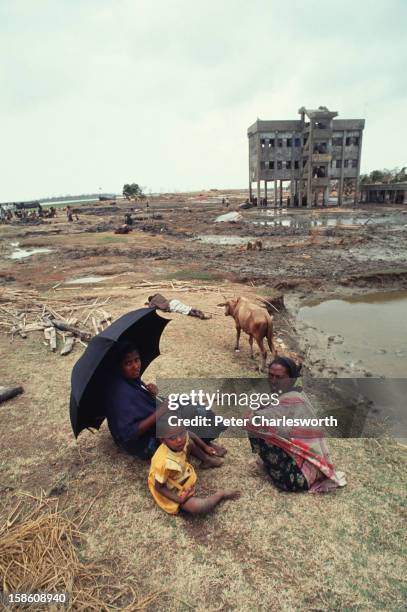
(92, 371)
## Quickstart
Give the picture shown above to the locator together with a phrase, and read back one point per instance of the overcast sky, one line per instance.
(98, 93)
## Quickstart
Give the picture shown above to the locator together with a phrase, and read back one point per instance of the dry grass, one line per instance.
(269, 550)
(266, 551)
(39, 553)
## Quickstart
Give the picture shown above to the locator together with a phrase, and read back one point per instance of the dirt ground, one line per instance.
(269, 550)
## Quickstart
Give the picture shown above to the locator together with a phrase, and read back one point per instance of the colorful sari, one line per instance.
(296, 458)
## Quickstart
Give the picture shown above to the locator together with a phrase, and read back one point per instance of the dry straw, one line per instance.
(39, 553)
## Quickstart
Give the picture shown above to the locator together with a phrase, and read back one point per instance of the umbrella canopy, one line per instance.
(93, 370)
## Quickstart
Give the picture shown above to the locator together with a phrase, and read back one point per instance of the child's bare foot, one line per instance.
(220, 450)
(231, 494)
(211, 462)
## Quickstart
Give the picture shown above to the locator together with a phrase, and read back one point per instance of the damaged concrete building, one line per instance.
(309, 158)
(382, 193)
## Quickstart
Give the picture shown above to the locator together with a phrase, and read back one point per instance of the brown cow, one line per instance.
(254, 321)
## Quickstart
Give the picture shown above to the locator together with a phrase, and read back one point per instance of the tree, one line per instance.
(132, 191)
(400, 175)
(377, 176)
(396, 175)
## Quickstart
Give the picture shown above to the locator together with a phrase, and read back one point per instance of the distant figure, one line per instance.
(252, 246)
(128, 220)
(227, 202)
(69, 213)
(123, 229)
(223, 201)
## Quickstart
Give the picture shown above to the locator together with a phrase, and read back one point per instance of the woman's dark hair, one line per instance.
(292, 368)
(124, 348)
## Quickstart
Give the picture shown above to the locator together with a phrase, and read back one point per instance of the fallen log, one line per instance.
(7, 393)
(83, 335)
(30, 327)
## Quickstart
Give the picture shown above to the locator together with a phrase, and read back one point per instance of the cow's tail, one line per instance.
(270, 340)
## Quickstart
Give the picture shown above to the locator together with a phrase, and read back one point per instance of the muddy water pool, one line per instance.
(368, 331)
(275, 218)
(19, 253)
(223, 239)
(86, 280)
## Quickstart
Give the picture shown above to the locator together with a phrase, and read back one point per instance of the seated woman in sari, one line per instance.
(295, 458)
(132, 413)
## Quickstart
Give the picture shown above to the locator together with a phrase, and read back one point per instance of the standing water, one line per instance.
(373, 328)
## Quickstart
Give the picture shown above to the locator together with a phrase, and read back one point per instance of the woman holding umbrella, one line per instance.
(106, 383)
(132, 413)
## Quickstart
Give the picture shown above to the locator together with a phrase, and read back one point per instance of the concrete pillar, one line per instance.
(265, 192)
(250, 190)
(326, 196)
(358, 169)
(310, 144)
(341, 178)
(292, 181)
(275, 192)
(281, 192)
(258, 192)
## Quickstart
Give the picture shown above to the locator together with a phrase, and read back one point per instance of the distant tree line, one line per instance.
(133, 191)
(396, 175)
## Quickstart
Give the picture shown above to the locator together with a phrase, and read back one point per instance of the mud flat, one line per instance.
(311, 266)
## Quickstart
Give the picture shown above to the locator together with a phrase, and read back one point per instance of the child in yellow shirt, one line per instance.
(172, 478)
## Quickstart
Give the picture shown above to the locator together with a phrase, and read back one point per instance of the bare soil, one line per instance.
(269, 550)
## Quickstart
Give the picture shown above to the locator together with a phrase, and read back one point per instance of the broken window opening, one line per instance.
(271, 142)
(354, 163)
(289, 142)
(288, 165)
(297, 142)
(271, 165)
(279, 165)
(348, 141)
(320, 147)
(296, 164)
(338, 163)
(319, 172)
(346, 164)
(280, 142)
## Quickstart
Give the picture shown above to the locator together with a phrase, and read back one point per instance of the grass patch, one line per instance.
(194, 275)
(110, 239)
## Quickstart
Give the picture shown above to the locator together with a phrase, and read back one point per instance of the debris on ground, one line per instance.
(38, 553)
(231, 217)
(23, 312)
(7, 393)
